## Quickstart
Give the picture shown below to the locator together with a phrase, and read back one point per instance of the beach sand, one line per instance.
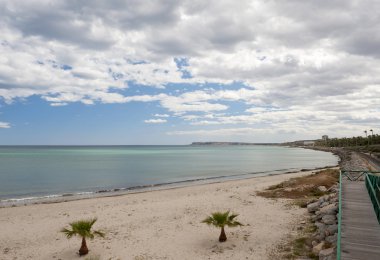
(163, 224)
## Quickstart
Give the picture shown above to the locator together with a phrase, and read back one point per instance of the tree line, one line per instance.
(372, 139)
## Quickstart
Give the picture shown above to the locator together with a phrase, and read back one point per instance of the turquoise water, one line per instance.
(37, 171)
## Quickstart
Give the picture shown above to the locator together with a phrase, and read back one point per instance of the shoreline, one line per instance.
(162, 224)
(65, 197)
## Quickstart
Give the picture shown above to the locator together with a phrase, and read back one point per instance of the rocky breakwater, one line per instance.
(324, 215)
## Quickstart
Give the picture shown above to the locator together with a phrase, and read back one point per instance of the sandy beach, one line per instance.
(161, 224)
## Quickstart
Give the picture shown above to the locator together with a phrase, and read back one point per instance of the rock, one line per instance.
(331, 239)
(324, 204)
(326, 254)
(319, 237)
(318, 248)
(313, 207)
(332, 229)
(329, 219)
(330, 209)
(319, 225)
(314, 243)
(314, 218)
(322, 188)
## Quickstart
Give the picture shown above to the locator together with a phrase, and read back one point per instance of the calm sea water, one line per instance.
(38, 171)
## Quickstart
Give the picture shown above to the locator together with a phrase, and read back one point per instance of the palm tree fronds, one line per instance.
(221, 219)
(92, 222)
(234, 224)
(68, 233)
(83, 229)
(99, 233)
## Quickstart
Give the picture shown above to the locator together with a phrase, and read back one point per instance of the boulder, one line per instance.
(332, 229)
(324, 204)
(330, 209)
(318, 248)
(329, 219)
(312, 207)
(319, 225)
(332, 239)
(322, 188)
(333, 188)
(326, 254)
(320, 237)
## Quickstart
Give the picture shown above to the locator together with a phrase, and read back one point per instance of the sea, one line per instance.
(40, 174)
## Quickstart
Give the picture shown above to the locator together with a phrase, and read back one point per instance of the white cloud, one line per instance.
(221, 132)
(61, 104)
(301, 64)
(161, 115)
(155, 121)
(5, 125)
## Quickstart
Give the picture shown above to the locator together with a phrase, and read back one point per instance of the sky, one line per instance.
(173, 72)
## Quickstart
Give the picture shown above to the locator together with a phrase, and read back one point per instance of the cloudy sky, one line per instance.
(173, 72)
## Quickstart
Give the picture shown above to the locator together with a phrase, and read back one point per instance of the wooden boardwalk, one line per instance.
(360, 230)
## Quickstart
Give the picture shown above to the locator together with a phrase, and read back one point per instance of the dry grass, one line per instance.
(302, 187)
(301, 190)
(298, 246)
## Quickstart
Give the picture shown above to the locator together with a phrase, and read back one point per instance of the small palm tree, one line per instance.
(220, 219)
(82, 228)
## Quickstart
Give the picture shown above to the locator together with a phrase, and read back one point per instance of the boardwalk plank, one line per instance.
(360, 237)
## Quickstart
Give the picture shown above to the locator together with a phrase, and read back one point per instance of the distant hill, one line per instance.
(231, 143)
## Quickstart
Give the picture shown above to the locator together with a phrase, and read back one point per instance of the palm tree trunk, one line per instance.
(83, 249)
(222, 237)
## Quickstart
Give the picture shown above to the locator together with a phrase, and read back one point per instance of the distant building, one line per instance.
(308, 142)
(325, 137)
